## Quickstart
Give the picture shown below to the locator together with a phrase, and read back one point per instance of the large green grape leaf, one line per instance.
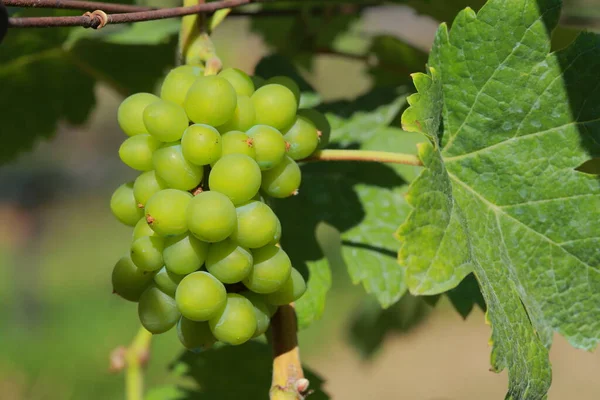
(508, 125)
(49, 76)
(228, 373)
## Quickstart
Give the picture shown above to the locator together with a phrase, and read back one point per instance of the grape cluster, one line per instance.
(211, 150)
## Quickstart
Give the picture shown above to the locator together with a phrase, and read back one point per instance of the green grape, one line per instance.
(320, 122)
(157, 310)
(178, 81)
(129, 281)
(269, 145)
(283, 180)
(211, 216)
(272, 268)
(131, 111)
(288, 83)
(184, 254)
(235, 323)
(241, 82)
(165, 212)
(293, 288)
(200, 296)
(228, 262)
(136, 151)
(146, 185)
(146, 252)
(302, 137)
(258, 81)
(195, 335)
(201, 144)
(275, 105)
(277, 236)
(237, 176)
(167, 281)
(211, 100)
(256, 225)
(243, 117)
(142, 229)
(172, 167)
(165, 120)
(236, 142)
(124, 206)
(262, 312)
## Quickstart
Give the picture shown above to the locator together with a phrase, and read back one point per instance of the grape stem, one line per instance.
(288, 377)
(133, 359)
(365, 155)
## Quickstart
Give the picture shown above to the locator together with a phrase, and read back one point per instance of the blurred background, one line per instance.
(59, 241)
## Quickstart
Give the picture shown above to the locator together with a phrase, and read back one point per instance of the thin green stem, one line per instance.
(136, 357)
(366, 156)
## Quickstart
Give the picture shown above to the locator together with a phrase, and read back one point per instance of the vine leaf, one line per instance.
(508, 124)
(51, 75)
(213, 371)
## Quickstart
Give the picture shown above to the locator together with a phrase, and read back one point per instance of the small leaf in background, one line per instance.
(370, 325)
(395, 60)
(278, 65)
(466, 296)
(501, 194)
(231, 373)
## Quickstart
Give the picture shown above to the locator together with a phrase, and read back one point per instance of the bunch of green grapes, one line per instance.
(211, 151)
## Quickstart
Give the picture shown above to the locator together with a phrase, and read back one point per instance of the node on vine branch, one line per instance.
(98, 19)
(3, 21)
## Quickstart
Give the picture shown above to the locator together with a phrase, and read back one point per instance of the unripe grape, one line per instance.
(293, 288)
(241, 82)
(178, 81)
(142, 229)
(136, 152)
(200, 296)
(201, 144)
(237, 176)
(236, 142)
(124, 206)
(146, 185)
(184, 254)
(157, 310)
(195, 335)
(272, 268)
(211, 216)
(165, 121)
(167, 281)
(256, 225)
(320, 122)
(261, 312)
(165, 212)
(128, 281)
(269, 146)
(211, 100)
(131, 111)
(303, 138)
(172, 167)
(288, 83)
(277, 236)
(275, 105)
(283, 180)
(146, 253)
(228, 261)
(236, 323)
(243, 117)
